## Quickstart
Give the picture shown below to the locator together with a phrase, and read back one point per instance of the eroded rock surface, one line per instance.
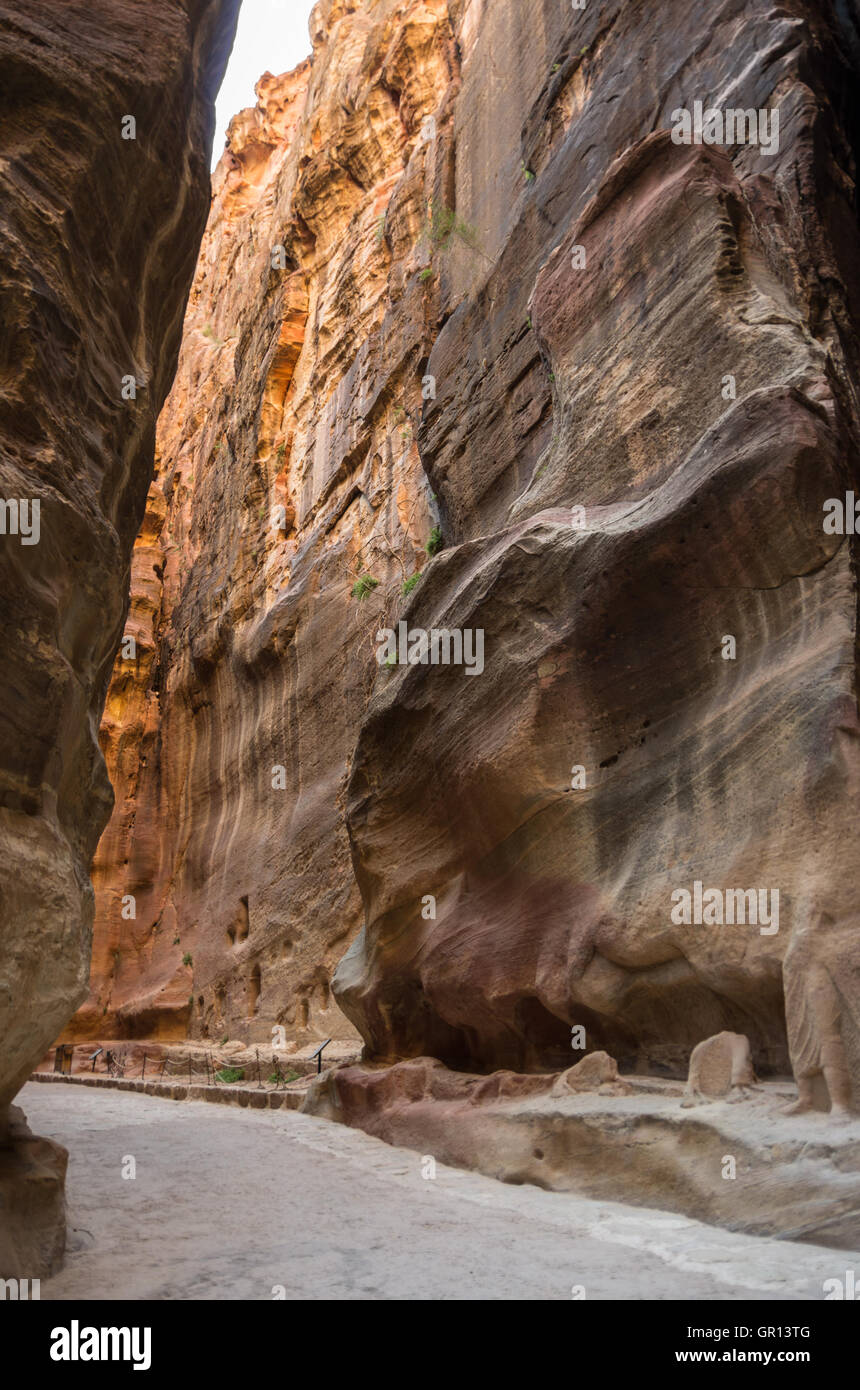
(619, 374)
(699, 403)
(98, 239)
(287, 469)
(747, 1167)
(719, 1066)
(32, 1207)
(596, 1072)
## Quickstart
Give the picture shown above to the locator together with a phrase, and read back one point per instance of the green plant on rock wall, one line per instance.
(443, 226)
(435, 542)
(364, 586)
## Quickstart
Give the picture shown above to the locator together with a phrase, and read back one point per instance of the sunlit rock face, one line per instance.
(636, 524)
(287, 468)
(104, 141)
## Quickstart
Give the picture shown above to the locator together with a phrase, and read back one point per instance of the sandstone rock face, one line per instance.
(98, 238)
(287, 469)
(668, 708)
(718, 1066)
(459, 275)
(596, 1072)
(32, 1218)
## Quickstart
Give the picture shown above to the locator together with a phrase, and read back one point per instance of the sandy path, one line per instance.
(229, 1203)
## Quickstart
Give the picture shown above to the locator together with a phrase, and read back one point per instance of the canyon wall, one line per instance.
(460, 280)
(669, 694)
(106, 128)
(286, 469)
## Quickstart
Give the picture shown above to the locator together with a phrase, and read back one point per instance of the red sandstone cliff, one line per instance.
(287, 467)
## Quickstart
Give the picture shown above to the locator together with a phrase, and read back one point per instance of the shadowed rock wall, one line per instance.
(98, 239)
(694, 307)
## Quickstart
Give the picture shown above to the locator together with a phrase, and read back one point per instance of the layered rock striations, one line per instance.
(669, 695)
(460, 281)
(105, 132)
(287, 474)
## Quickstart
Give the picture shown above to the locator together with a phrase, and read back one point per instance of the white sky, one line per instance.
(272, 36)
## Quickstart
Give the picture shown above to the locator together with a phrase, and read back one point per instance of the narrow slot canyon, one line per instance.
(429, 731)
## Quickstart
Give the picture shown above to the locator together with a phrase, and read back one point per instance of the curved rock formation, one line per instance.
(107, 123)
(669, 694)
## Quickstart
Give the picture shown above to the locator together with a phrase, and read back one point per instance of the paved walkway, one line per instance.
(233, 1203)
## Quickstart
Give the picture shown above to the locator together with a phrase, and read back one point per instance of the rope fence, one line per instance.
(207, 1069)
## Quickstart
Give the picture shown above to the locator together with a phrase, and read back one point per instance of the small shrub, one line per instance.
(230, 1074)
(176, 941)
(410, 583)
(528, 174)
(444, 225)
(426, 274)
(186, 959)
(364, 586)
(434, 544)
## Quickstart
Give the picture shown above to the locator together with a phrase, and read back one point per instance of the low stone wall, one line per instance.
(255, 1098)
